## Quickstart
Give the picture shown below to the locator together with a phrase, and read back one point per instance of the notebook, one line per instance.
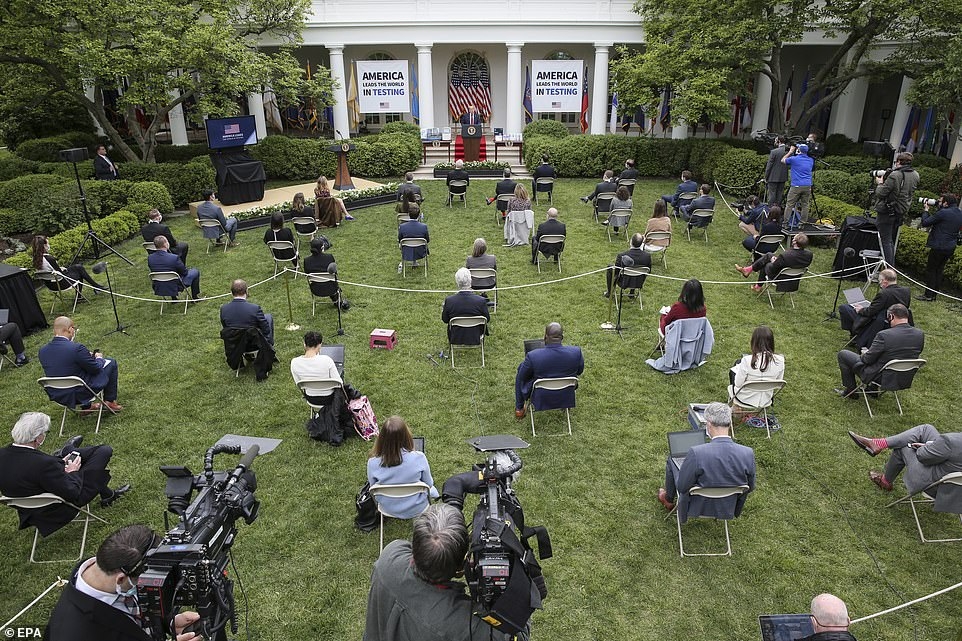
(785, 627)
(680, 442)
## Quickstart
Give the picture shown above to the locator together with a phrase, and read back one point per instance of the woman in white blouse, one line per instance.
(763, 364)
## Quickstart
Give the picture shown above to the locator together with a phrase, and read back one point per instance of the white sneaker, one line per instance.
(400, 267)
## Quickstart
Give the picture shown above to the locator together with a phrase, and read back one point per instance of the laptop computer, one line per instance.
(856, 298)
(419, 444)
(4, 316)
(534, 343)
(680, 442)
(785, 627)
(336, 353)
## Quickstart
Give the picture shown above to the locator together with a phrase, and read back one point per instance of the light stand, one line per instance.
(102, 268)
(291, 326)
(607, 326)
(332, 269)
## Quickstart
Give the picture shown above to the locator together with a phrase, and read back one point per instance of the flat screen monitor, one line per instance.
(230, 133)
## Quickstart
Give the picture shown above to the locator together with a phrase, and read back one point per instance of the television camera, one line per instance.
(503, 576)
(189, 567)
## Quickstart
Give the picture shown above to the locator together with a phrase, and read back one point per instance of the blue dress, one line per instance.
(413, 468)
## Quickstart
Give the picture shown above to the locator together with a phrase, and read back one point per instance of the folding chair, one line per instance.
(652, 236)
(684, 198)
(499, 213)
(553, 384)
(479, 273)
(923, 497)
(249, 355)
(212, 231)
(149, 247)
(767, 243)
(412, 242)
(397, 491)
(46, 499)
(458, 188)
(631, 272)
(322, 277)
(700, 215)
(621, 213)
(712, 493)
(73, 382)
(5, 356)
(785, 282)
(772, 387)
(540, 182)
(304, 227)
(629, 183)
(168, 277)
(908, 367)
(550, 239)
(319, 387)
(279, 246)
(464, 322)
(605, 196)
(58, 283)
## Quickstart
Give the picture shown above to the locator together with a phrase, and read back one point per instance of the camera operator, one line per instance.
(893, 196)
(800, 166)
(815, 149)
(100, 600)
(943, 238)
(413, 597)
(776, 173)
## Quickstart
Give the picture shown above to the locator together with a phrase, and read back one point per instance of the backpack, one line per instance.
(365, 422)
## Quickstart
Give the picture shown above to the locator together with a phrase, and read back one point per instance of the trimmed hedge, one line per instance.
(113, 229)
(930, 178)
(836, 210)
(912, 254)
(184, 181)
(841, 145)
(12, 166)
(385, 155)
(180, 153)
(34, 197)
(401, 127)
(43, 149)
(13, 221)
(294, 158)
(952, 182)
(551, 128)
(930, 160)
(854, 165)
(739, 167)
(840, 186)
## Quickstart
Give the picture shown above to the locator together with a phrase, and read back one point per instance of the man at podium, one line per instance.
(471, 132)
(472, 117)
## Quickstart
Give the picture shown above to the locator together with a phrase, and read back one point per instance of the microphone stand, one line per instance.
(848, 252)
(332, 269)
(106, 269)
(607, 326)
(291, 326)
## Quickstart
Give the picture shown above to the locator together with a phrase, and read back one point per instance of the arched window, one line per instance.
(559, 55)
(469, 83)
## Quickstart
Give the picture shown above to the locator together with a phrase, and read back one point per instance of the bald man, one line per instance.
(63, 356)
(551, 226)
(830, 619)
(554, 360)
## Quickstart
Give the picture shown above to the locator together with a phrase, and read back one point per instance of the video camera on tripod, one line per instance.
(503, 576)
(189, 567)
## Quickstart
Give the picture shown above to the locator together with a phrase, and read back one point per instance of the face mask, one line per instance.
(131, 592)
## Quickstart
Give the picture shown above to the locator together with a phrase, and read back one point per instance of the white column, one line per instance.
(341, 122)
(956, 159)
(178, 126)
(680, 131)
(599, 88)
(425, 85)
(902, 112)
(255, 104)
(513, 121)
(90, 91)
(846, 118)
(763, 102)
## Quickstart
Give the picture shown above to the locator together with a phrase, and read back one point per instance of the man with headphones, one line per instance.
(318, 263)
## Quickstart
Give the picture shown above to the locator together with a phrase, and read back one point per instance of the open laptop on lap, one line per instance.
(785, 627)
(680, 442)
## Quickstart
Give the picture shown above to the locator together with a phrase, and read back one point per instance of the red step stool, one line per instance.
(383, 339)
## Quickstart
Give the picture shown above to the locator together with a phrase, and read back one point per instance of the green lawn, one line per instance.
(815, 523)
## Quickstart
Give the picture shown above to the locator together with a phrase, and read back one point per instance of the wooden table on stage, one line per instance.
(509, 144)
(434, 143)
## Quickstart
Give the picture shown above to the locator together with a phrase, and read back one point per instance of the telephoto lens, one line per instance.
(931, 202)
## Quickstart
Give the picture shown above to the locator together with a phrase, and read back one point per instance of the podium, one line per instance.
(342, 181)
(471, 136)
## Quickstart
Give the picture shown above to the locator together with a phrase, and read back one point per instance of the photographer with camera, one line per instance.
(800, 166)
(100, 599)
(893, 196)
(413, 597)
(776, 173)
(945, 226)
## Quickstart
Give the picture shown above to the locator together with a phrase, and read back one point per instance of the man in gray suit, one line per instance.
(900, 341)
(776, 173)
(720, 463)
(924, 454)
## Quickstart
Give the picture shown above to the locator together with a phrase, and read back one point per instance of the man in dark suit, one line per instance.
(472, 117)
(64, 357)
(98, 601)
(629, 173)
(606, 185)
(687, 185)
(413, 228)
(208, 209)
(318, 263)
(636, 257)
(704, 201)
(155, 227)
(464, 303)
(768, 264)
(551, 226)
(103, 168)
(924, 454)
(458, 174)
(776, 173)
(857, 320)
(554, 360)
(10, 333)
(75, 474)
(409, 186)
(719, 463)
(544, 170)
(945, 226)
(900, 341)
(163, 260)
(504, 186)
(241, 313)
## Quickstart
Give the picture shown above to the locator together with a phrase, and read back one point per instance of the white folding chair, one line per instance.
(46, 499)
(652, 236)
(605, 196)
(923, 498)
(700, 216)
(412, 242)
(785, 278)
(897, 365)
(322, 277)
(621, 213)
(467, 322)
(58, 283)
(168, 277)
(544, 181)
(212, 231)
(317, 388)
(149, 247)
(631, 272)
(553, 384)
(550, 239)
(304, 227)
(458, 188)
(772, 387)
(768, 243)
(72, 383)
(712, 493)
(279, 246)
(478, 273)
(502, 198)
(687, 197)
(396, 491)
(628, 182)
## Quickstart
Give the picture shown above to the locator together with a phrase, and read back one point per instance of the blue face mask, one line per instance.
(131, 592)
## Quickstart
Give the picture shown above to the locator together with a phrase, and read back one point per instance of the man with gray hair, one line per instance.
(719, 463)
(76, 474)
(465, 303)
(551, 226)
(829, 619)
(412, 596)
(458, 174)
(408, 186)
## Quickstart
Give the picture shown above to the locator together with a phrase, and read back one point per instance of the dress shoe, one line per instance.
(663, 499)
(866, 444)
(845, 393)
(118, 492)
(72, 443)
(744, 271)
(92, 409)
(928, 299)
(757, 288)
(20, 362)
(234, 243)
(113, 406)
(520, 414)
(879, 479)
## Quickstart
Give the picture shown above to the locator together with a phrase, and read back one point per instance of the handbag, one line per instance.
(366, 518)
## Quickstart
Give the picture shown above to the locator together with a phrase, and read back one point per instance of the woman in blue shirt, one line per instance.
(394, 460)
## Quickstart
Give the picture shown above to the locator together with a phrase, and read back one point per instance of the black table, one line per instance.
(18, 294)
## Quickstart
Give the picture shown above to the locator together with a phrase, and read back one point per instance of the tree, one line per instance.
(933, 58)
(158, 53)
(708, 51)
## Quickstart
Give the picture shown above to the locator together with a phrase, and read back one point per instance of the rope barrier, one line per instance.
(59, 583)
(905, 605)
(912, 280)
(155, 300)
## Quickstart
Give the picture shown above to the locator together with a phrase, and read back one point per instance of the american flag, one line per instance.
(470, 85)
(231, 129)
